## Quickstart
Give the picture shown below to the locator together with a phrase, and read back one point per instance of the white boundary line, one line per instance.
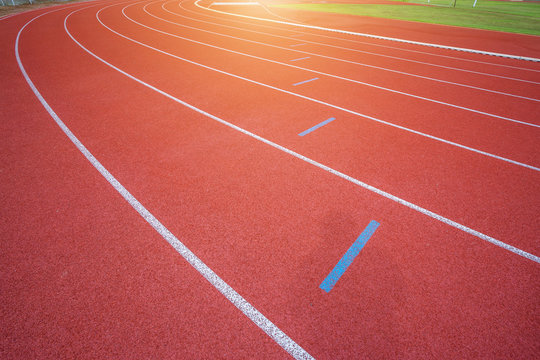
(298, 32)
(448, 142)
(236, 299)
(331, 75)
(319, 165)
(378, 37)
(351, 49)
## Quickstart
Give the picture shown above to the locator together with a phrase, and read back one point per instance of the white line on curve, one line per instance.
(236, 299)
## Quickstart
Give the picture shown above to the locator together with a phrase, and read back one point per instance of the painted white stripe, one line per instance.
(321, 166)
(322, 102)
(236, 299)
(378, 37)
(302, 33)
(353, 50)
(320, 72)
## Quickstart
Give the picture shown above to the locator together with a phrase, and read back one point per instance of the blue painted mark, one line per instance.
(348, 258)
(305, 81)
(316, 126)
(302, 58)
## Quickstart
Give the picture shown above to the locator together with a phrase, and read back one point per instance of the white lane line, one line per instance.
(236, 299)
(303, 33)
(321, 166)
(323, 73)
(322, 102)
(517, 57)
(353, 50)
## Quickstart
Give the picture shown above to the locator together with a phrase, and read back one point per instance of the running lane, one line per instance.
(270, 225)
(82, 274)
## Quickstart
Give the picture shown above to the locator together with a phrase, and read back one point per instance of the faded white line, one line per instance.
(236, 299)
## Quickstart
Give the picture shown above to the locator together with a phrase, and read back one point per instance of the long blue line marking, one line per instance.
(305, 81)
(348, 258)
(316, 126)
(302, 58)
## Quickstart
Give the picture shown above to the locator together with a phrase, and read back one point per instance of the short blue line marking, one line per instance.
(348, 258)
(316, 126)
(302, 58)
(297, 45)
(305, 81)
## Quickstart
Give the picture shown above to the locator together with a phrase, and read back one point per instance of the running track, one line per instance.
(193, 117)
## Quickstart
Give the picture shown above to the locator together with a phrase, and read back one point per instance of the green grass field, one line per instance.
(515, 17)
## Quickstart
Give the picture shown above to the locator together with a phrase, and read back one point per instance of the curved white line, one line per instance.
(236, 299)
(319, 165)
(378, 37)
(325, 103)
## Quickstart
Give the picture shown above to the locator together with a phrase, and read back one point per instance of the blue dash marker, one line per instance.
(348, 258)
(305, 81)
(316, 126)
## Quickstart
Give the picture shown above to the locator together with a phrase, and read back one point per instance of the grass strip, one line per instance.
(514, 17)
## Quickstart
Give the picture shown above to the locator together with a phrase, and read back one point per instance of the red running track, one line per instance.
(85, 276)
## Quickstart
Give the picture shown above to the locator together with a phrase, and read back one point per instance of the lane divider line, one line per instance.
(316, 126)
(364, 185)
(432, 137)
(305, 81)
(474, 51)
(235, 298)
(302, 58)
(347, 259)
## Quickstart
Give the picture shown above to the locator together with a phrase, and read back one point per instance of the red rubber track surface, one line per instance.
(84, 276)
